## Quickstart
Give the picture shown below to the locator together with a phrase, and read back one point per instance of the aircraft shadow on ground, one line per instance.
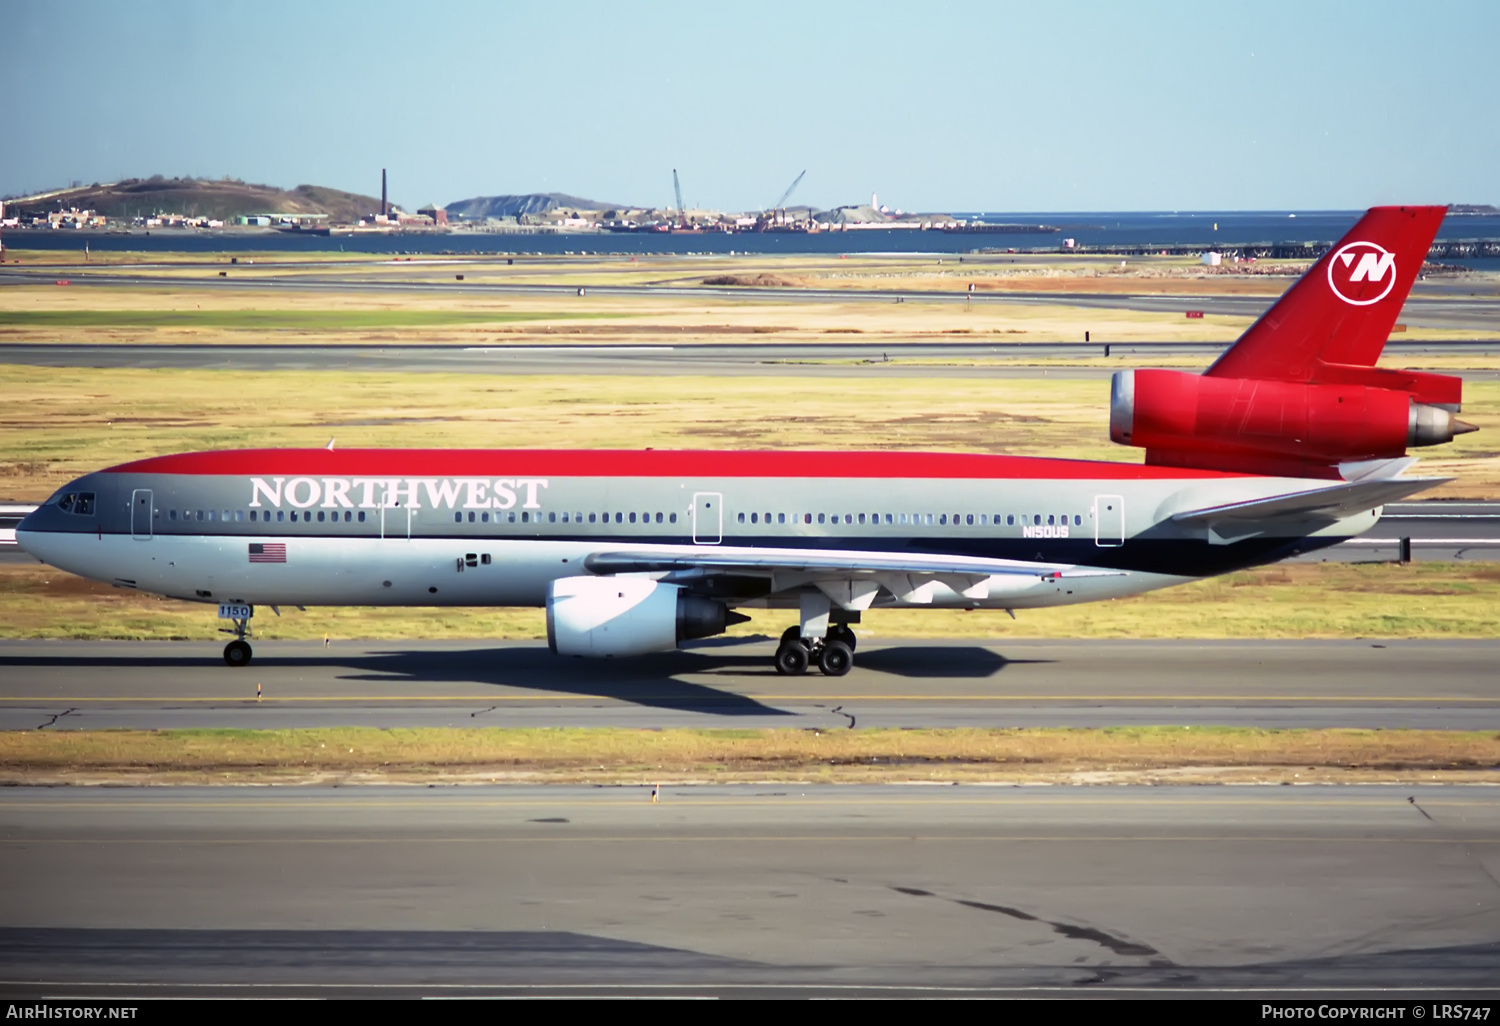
(654, 681)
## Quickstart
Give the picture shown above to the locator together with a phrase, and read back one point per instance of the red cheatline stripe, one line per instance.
(643, 463)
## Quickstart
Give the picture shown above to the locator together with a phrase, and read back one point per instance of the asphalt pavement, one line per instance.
(77, 685)
(787, 890)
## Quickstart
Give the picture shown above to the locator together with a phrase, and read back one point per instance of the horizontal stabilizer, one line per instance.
(1333, 503)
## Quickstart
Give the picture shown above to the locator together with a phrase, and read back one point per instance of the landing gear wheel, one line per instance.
(237, 653)
(836, 659)
(792, 633)
(792, 659)
(842, 632)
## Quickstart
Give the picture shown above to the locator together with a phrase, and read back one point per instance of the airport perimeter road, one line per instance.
(838, 360)
(750, 891)
(63, 685)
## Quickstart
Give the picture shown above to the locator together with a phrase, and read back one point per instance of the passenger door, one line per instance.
(140, 514)
(1109, 520)
(708, 518)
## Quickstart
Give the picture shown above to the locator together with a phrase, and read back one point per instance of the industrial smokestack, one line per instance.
(385, 209)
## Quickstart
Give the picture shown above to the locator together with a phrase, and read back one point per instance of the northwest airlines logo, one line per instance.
(389, 492)
(1359, 267)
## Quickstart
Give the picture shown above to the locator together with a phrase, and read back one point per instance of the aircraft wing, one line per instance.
(1333, 502)
(729, 559)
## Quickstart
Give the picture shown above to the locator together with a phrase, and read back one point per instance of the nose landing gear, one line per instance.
(238, 651)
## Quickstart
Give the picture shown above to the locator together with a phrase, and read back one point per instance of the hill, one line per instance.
(480, 207)
(199, 197)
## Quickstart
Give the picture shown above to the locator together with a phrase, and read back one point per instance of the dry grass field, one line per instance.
(622, 756)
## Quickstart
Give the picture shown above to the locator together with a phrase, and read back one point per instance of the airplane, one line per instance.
(1290, 442)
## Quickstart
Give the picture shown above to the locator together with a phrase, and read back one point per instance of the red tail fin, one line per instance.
(1342, 310)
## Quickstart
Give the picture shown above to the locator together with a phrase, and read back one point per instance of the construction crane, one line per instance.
(681, 210)
(789, 190)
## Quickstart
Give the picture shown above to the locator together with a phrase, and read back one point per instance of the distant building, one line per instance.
(254, 220)
(437, 213)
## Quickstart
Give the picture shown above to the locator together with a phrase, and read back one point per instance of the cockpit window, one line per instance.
(78, 503)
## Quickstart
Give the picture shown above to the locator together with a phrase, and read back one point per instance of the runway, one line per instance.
(751, 891)
(830, 360)
(1441, 305)
(74, 685)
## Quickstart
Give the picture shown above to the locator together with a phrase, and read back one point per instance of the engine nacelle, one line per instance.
(1179, 414)
(623, 616)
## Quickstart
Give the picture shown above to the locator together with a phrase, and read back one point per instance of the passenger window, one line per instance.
(322, 516)
(861, 518)
(781, 518)
(754, 518)
(632, 518)
(361, 516)
(210, 516)
(888, 518)
(172, 514)
(281, 516)
(225, 517)
(485, 558)
(512, 516)
(1010, 520)
(943, 519)
(820, 518)
(1036, 520)
(484, 518)
(525, 518)
(1077, 520)
(1050, 520)
(620, 518)
(458, 518)
(551, 518)
(294, 516)
(742, 518)
(591, 517)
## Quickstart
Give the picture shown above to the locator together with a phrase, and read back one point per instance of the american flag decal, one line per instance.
(268, 552)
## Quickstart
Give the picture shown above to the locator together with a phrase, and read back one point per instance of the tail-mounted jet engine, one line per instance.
(622, 616)
(1258, 426)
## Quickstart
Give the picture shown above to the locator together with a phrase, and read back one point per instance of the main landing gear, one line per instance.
(238, 652)
(833, 654)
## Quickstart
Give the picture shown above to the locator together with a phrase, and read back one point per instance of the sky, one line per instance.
(1058, 106)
